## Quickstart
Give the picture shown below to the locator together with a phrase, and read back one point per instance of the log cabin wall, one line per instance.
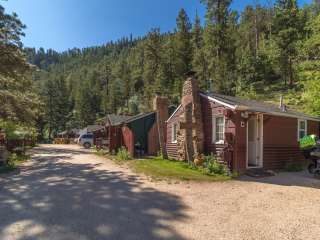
(233, 128)
(172, 148)
(280, 141)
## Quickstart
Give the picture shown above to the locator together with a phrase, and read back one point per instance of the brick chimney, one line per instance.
(161, 107)
(190, 138)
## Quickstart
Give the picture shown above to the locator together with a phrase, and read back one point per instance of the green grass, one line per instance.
(15, 162)
(167, 169)
(7, 169)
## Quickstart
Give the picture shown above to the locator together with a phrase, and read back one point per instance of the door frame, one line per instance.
(260, 165)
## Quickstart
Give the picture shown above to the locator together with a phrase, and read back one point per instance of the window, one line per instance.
(302, 128)
(174, 132)
(218, 129)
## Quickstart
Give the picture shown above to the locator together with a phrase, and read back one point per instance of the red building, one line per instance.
(243, 133)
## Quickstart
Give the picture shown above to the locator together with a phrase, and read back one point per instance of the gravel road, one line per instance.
(67, 193)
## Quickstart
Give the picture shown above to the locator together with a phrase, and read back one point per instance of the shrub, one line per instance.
(19, 151)
(211, 166)
(12, 160)
(294, 168)
(123, 154)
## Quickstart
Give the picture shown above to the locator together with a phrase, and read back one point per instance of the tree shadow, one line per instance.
(299, 179)
(55, 199)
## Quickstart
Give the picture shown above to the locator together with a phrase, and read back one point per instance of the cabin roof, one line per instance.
(237, 103)
(117, 119)
(93, 128)
(139, 116)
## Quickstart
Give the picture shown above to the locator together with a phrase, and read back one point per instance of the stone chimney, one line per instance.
(161, 107)
(190, 138)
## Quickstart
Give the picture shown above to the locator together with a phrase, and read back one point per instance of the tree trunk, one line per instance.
(291, 80)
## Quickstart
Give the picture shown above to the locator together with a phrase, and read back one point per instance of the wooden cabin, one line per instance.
(243, 133)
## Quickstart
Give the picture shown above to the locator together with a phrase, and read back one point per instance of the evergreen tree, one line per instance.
(286, 27)
(152, 57)
(183, 47)
(57, 107)
(199, 61)
(220, 44)
(18, 100)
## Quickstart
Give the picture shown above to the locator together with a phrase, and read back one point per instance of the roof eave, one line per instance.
(174, 113)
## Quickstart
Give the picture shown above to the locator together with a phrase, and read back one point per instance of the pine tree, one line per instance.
(220, 44)
(183, 47)
(18, 100)
(286, 27)
(199, 61)
(153, 57)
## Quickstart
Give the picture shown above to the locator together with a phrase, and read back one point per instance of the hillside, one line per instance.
(251, 54)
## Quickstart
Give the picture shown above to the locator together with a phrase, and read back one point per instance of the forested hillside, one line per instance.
(262, 53)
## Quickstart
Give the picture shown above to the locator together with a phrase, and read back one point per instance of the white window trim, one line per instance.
(172, 133)
(298, 128)
(214, 140)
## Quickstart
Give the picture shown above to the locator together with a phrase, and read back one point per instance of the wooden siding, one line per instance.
(128, 139)
(172, 148)
(115, 137)
(280, 141)
(236, 154)
(153, 140)
(313, 127)
(209, 109)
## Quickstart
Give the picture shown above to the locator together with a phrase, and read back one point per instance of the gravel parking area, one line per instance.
(67, 193)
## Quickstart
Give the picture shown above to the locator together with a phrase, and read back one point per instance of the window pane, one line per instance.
(174, 132)
(302, 133)
(302, 125)
(219, 128)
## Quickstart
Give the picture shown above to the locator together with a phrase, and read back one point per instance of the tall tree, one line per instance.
(199, 61)
(220, 44)
(17, 99)
(57, 107)
(183, 47)
(287, 29)
(153, 57)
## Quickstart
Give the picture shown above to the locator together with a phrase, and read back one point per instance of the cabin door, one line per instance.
(254, 143)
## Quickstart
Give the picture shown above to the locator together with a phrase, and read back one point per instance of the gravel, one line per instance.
(66, 193)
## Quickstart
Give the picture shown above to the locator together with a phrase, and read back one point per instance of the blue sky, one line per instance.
(63, 24)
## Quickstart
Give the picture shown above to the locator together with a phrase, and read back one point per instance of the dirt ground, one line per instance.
(67, 193)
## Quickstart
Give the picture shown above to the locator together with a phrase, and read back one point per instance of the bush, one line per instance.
(12, 160)
(123, 154)
(19, 151)
(294, 168)
(211, 166)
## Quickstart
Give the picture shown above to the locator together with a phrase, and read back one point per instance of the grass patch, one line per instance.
(13, 163)
(167, 169)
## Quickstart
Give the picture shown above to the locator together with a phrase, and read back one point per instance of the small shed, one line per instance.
(113, 135)
(140, 134)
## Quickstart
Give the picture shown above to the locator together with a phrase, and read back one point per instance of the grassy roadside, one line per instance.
(168, 169)
(161, 169)
(13, 163)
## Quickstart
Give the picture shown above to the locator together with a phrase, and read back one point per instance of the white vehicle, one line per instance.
(86, 140)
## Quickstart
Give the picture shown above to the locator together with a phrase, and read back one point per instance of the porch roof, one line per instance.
(237, 103)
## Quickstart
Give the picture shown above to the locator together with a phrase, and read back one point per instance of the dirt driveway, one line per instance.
(68, 193)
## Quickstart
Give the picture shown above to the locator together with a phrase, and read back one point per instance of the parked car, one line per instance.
(86, 140)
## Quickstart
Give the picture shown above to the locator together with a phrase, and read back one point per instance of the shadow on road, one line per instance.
(300, 179)
(54, 199)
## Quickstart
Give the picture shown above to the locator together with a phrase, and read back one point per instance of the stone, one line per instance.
(190, 137)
